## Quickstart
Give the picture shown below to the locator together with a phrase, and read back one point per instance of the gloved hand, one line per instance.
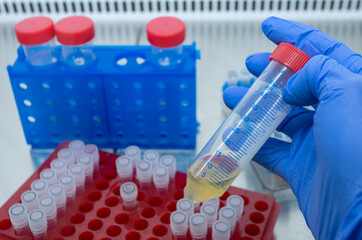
(323, 163)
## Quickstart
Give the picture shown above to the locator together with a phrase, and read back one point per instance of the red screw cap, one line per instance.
(166, 32)
(290, 56)
(34, 30)
(74, 30)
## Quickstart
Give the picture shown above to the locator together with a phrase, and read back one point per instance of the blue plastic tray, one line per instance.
(107, 103)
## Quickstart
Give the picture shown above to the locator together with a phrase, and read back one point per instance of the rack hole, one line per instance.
(77, 218)
(133, 236)
(122, 218)
(256, 217)
(140, 60)
(113, 231)
(49, 102)
(184, 103)
(86, 236)
(103, 212)
(27, 103)
(94, 196)
(85, 207)
(94, 102)
(246, 200)
(165, 218)
(31, 119)
(5, 224)
(162, 102)
(159, 230)
(120, 135)
(140, 119)
(95, 224)
(140, 224)
(163, 119)
(155, 201)
(111, 201)
(163, 135)
(91, 85)
(110, 175)
(45, 85)
(23, 86)
(67, 231)
(67, 85)
(178, 195)
(161, 86)
(122, 62)
(183, 86)
(116, 190)
(171, 206)
(102, 185)
(225, 196)
(261, 206)
(140, 196)
(137, 85)
(252, 229)
(148, 212)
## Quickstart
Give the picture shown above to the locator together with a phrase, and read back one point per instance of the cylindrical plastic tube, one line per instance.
(161, 179)
(237, 203)
(124, 168)
(19, 219)
(68, 183)
(40, 187)
(49, 176)
(36, 35)
(169, 161)
(153, 156)
(48, 206)
(144, 174)
(59, 167)
(198, 226)
(220, 230)
(38, 224)
(30, 200)
(77, 172)
(129, 195)
(213, 201)
(86, 162)
(179, 225)
(134, 153)
(210, 212)
(246, 129)
(77, 148)
(185, 206)
(57, 192)
(92, 150)
(166, 35)
(228, 214)
(66, 155)
(76, 33)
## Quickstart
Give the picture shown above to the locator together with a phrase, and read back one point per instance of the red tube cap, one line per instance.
(34, 30)
(290, 56)
(166, 32)
(74, 30)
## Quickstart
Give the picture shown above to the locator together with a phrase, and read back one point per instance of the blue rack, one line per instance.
(122, 98)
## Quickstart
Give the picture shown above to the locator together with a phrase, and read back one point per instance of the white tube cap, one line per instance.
(144, 171)
(37, 221)
(161, 178)
(30, 200)
(198, 225)
(124, 167)
(77, 172)
(169, 161)
(210, 212)
(49, 176)
(214, 201)
(77, 148)
(153, 156)
(48, 206)
(178, 222)
(40, 187)
(66, 155)
(18, 215)
(228, 214)
(129, 191)
(86, 162)
(68, 183)
(58, 194)
(237, 203)
(185, 206)
(92, 150)
(134, 153)
(59, 167)
(221, 230)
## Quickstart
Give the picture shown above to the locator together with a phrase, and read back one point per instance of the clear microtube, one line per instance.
(185, 206)
(58, 194)
(30, 200)
(179, 225)
(144, 173)
(198, 226)
(169, 161)
(124, 168)
(237, 203)
(66, 155)
(48, 206)
(77, 172)
(220, 230)
(59, 167)
(77, 148)
(228, 214)
(134, 153)
(214, 201)
(210, 212)
(86, 162)
(38, 224)
(196, 205)
(129, 195)
(92, 150)
(68, 183)
(153, 156)
(40, 187)
(161, 179)
(49, 176)
(19, 219)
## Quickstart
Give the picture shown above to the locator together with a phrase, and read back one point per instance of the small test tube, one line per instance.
(185, 206)
(220, 230)
(198, 226)
(66, 155)
(77, 172)
(169, 161)
(214, 201)
(49, 176)
(92, 150)
(58, 194)
(124, 168)
(228, 214)
(38, 224)
(134, 153)
(144, 174)
(19, 219)
(210, 212)
(30, 200)
(153, 156)
(40, 187)
(179, 225)
(59, 167)
(196, 205)
(86, 162)
(48, 206)
(129, 195)
(68, 183)
(237, 203)
(77, 148)
(161, 179)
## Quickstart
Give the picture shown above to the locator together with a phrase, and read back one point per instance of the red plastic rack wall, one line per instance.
(98, 213)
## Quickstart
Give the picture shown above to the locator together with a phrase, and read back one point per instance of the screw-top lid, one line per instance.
(166, 32)
(34, 30)
(74, 30)
(290, 56)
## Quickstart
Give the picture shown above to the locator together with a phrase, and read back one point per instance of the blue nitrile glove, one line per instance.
(323, 164)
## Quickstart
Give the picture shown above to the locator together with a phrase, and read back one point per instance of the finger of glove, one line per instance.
(312, 41)
(232, 95)
(256, 63)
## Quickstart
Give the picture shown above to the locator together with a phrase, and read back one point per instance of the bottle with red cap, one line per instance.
(76, 34)
(37, 37)
(246, 129)
(166, 35)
